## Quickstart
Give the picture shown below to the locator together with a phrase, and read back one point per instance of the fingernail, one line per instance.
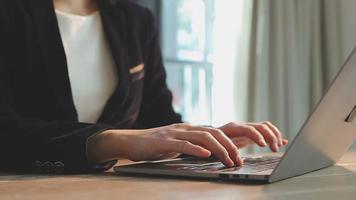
(280, 143)
(229, 162)
(285, 142)
(206, 152)
(240, 161)
(263, 142)
(276, 147)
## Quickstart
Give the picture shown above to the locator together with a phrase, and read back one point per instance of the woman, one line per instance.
(82, 84)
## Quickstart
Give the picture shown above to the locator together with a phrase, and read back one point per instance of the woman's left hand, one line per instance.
(262, 133)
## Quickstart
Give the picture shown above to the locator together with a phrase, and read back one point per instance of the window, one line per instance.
(187, 44)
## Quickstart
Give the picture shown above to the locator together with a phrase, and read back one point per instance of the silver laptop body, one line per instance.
(325, 136)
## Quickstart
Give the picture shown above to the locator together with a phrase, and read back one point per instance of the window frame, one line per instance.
(206, 63)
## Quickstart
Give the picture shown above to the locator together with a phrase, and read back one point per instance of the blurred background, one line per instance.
(252, 60)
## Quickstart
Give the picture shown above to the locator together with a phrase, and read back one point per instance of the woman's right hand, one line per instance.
(163, 143)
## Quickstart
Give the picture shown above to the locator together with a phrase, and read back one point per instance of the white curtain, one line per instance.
(295, 53)
(295, 48)
(231, 58)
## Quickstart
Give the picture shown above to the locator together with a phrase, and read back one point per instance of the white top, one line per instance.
(91, 67)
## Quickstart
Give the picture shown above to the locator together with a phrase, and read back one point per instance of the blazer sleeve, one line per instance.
(156, 109)
(43, 146)
(36, 145)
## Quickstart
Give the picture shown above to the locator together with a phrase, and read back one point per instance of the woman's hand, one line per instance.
(171, 141)
(164, 142)
(262, 134)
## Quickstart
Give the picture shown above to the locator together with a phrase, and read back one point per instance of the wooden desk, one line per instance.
(338, 182)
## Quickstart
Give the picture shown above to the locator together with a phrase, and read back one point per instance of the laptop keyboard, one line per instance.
(251, 165)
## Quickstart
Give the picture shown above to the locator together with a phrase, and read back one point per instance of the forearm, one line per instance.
(110, 145)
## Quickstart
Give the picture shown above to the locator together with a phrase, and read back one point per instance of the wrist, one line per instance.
(110, 145)
(100, 147)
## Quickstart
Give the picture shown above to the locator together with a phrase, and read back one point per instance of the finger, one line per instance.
(276, 132)
(184, 147)
(242, 142)
(168, 156)
(268, 135)
(285, 142)
(235, 130)
(181, 126)
(209, 142)
(224, 141)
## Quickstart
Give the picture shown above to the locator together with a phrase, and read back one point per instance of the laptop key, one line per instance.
(251, 165)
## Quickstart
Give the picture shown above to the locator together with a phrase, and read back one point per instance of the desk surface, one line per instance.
(338, 182)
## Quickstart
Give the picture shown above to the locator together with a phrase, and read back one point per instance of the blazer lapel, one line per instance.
(51, 47)
(114, 23)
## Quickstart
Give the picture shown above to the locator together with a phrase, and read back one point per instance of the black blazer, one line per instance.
(39, 127)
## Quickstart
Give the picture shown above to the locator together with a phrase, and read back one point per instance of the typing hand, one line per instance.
(171, 141)
(262, 133)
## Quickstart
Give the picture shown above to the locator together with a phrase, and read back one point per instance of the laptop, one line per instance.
(325, 136)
